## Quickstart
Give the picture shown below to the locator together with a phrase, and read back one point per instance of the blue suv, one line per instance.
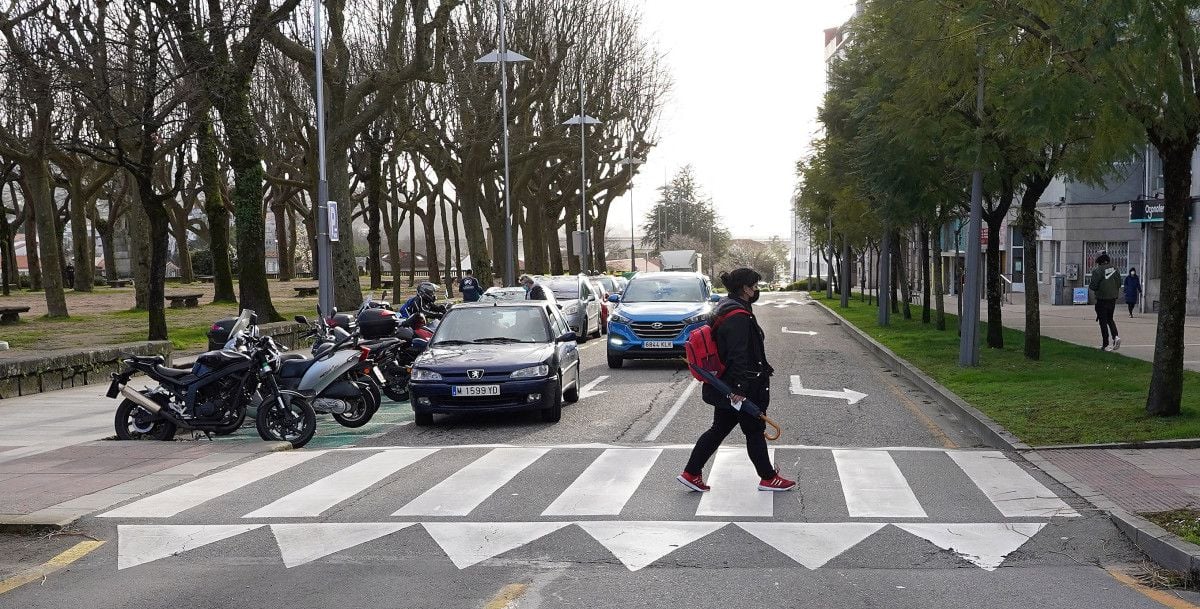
(656, 312)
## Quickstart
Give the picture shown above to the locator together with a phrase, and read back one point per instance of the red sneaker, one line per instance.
(696, 483)
(776, 484)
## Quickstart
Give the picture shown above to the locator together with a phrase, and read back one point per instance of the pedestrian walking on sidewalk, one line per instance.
(1133, 289)
(1106, 284)
(740, 347)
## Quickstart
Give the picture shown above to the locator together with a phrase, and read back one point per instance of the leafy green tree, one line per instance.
(683, 209)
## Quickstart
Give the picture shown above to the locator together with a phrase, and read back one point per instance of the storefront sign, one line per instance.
(1147, 211)
(1079, 296)
(1045, 233)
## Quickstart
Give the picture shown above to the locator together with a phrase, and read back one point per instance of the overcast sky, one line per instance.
(748, 79)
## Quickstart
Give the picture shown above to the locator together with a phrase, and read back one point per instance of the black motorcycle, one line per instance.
(212, 396)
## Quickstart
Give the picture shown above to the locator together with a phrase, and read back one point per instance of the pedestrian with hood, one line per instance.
(1133, 289)
(740, 345)
(1106, 284)
(533, 291)
(469, 288)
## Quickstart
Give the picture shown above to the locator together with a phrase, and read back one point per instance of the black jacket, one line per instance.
(537, 292)
(740, 345)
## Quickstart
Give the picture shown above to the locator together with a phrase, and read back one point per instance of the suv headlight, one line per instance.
(532, 371)
(421, 374)
(571, 309)
(618, 318)
(697, 318)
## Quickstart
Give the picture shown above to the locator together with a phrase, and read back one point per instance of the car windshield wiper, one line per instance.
(454, 341)
(500, 339)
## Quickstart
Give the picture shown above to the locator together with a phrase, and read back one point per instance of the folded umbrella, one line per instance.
(746, 406)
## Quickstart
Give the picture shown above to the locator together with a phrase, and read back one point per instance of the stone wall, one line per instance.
(24, 375)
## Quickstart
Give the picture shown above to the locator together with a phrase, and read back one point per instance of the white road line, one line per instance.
(1011, 489)
(874, 486)
(173, 501)
(468, 487)
(341, 485)
(658, 429)
(590, 390)
(607, 484)
(734, 484)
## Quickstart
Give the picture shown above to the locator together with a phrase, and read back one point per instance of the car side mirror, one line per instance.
(614, 298)
(567, 337)
(300, 319)
(420, 343)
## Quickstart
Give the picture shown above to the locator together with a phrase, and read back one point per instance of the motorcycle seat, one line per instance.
(295, 368)
(175, 376)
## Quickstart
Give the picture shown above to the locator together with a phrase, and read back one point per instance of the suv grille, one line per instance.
(666, 329)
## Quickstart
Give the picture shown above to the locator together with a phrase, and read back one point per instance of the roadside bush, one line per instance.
(802, 285)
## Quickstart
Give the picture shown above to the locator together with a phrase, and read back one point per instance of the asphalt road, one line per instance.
(896, 506)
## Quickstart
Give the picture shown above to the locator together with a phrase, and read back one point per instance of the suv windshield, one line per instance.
(564, 288)
(610, 284)
(493, 324)
(664, 289)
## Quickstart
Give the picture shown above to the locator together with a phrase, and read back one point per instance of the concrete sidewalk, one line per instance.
(1077, 324)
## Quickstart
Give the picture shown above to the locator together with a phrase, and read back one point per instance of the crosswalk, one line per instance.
(477, 502)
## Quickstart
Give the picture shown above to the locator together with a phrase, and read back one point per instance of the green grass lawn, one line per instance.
(1074, 395)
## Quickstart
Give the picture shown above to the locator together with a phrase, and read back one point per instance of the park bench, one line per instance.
(11, 315)
(118, 283)
(387, 284)
(179, 301)
(204, 278)
(305, 290)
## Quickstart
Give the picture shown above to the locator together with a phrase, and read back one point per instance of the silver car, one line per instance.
(578, 301)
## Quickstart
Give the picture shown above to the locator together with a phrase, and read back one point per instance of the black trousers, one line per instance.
(1131, 306)
(1104, 314)
(725, 418)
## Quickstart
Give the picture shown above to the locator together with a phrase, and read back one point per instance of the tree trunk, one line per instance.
(83, 251)
(554, 249)
(847, 283)
(901, 270)
(375, 201)
(457, 244)
(1166, 380)
(429, 224)
(925, 291)
(884, 289)
(451, 267)
(282, 240)
(32, 259)
(250, 228)
(393, 239)
(180, 229)
(139, 251)
(37, 174)
(481, 260)
(6, 238)
(939, 287)
(995, 326)
(214, 210)
(412, 246)
(156, 215)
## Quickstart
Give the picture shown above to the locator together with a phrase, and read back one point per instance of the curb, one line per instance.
(988, 430)
(62, 516)
(1178, 443)
(1164, 548)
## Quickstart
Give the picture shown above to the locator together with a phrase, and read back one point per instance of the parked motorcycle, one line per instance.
(213, 395)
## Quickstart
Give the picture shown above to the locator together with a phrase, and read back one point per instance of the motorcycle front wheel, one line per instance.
(395, 385)
(286, 419)
(133, 423)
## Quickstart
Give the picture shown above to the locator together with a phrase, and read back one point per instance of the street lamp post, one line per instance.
(324, 248)
(503, 56)
(583, 120)
(632, 162)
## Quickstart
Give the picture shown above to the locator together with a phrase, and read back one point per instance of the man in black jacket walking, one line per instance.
(740, 346)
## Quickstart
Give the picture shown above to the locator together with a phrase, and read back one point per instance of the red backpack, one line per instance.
(701, 347)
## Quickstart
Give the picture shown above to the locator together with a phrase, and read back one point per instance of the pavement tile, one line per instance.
(1138, 481)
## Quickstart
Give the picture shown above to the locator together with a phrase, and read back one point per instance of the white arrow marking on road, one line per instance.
(589, 389)
(849, 395)
(808, 332)
(986, 545)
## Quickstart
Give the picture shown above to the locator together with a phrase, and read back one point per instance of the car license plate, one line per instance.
(476, 390)
(659, 344)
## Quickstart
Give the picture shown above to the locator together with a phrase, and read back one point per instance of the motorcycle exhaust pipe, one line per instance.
(136, 397)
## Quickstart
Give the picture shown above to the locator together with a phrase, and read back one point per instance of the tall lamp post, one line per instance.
(632, 161)
(583, 120)
(326, 215)
(503, 56)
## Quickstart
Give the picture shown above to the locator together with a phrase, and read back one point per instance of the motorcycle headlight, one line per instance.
(617, 318)
(697, 318)
(421, 374)
(571, 309)
(532, 371)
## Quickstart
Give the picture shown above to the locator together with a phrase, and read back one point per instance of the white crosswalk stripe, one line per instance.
(470, 486)
(734, 485)
(874, 487)
(607, 484)
(1011, 489)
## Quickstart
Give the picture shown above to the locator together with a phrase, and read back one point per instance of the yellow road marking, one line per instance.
(1161, 597)
(73, 554)
(507, 596)
(917, 412)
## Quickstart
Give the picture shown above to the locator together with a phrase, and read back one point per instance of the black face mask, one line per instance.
(754, 298)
